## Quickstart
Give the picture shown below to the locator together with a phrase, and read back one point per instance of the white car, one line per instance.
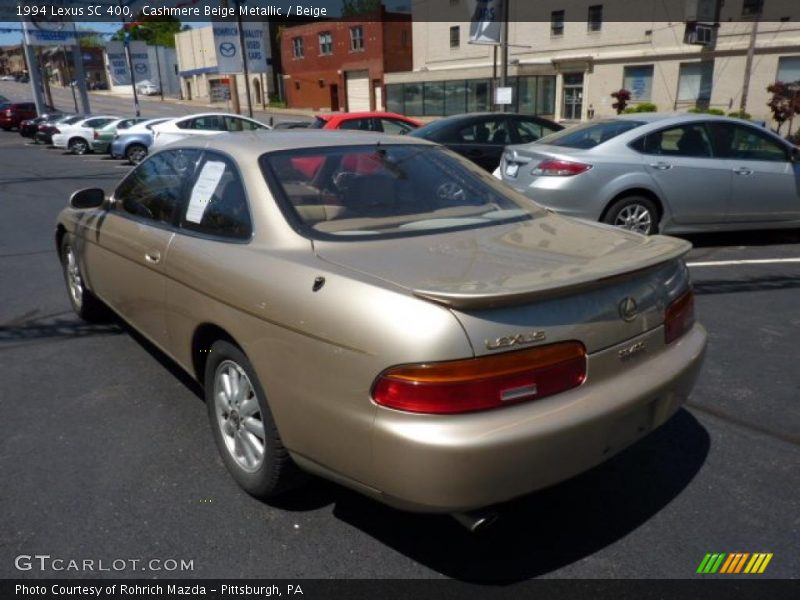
(78, 136)
(7, 78)
(202, 124)
(147, 88)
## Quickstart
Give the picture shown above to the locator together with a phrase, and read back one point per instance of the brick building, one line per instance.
(339, 65)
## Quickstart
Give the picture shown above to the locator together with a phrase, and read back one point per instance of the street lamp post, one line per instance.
(126, 42)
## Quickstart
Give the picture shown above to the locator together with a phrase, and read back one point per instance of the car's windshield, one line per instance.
(387, 191)
(590, 135)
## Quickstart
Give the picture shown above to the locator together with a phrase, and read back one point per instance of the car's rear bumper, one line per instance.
(455, 463)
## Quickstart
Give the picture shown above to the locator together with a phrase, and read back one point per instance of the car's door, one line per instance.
(214, 223)
(766, 182)
(133, 238)
(481, 140)
(695, 185)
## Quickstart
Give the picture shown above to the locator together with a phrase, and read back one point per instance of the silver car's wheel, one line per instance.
(242, 423)
(136, 153)
(239, 416)
(78, 146)
(634, 213)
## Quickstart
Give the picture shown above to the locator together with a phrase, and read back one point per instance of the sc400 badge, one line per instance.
(632, 350)
(521, 339)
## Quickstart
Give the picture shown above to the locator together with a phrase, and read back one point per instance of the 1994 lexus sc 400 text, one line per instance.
(379, 311)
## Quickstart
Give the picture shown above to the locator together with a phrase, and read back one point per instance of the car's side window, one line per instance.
(359, 124)
(395, 126)
(154, 190)
(207, 123)
(216, 201)
(745, 143)
(690, 139)
(530, 131)
(491, 131)
(95, 123)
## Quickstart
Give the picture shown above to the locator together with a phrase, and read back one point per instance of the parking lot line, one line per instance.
(753, 261)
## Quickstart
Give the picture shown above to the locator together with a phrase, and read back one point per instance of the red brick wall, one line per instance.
(314, 73)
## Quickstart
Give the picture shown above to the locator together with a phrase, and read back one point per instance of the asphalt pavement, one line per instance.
(106, 453)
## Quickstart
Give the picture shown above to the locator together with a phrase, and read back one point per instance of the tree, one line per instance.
(156, 31)
(351, 8)
(785, 102)
(622, 96)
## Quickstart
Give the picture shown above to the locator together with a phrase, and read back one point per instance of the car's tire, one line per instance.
(85, 304)
(78, 146)
(635, 213)
(243, 427)
(135, 153)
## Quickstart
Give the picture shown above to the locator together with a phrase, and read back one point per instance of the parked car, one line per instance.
(45, 130)
(7, 78)
(292, 125)
(134, 143)
(385, 122)
(77, 137)
(482, 137)
(29, 127)
(147, 88)
(101, 139)
(201, 125)
(16, 112)
(662, 173)
(398, 321)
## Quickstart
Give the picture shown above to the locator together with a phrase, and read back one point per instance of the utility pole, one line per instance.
(232, 78)
(35, 75)
(748, 65)
(244, 59)
(68, 73)
(504, 50)
(158, 68)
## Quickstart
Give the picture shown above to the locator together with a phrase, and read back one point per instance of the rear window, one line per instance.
(590, 135)
(387, 191)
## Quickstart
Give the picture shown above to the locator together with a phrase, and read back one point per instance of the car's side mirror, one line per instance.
(87, 198)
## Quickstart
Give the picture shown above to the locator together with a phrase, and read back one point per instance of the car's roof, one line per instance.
(210, 114)
(361, 115)
(248, 144)
(655, 117)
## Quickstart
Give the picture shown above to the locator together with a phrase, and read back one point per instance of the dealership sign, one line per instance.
(229, 52)
(118, 70)
(486, 25)
(49, 31)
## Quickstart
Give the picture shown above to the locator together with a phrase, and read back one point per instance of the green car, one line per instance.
(103, 136)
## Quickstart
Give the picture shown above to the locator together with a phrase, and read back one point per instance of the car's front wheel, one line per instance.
(635, 213)
(85, 304)
(135, 153)
(243, 427)
(78, 146)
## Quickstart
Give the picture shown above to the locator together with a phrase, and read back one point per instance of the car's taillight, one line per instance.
(679, 317)
(560, 168)
(482, 383)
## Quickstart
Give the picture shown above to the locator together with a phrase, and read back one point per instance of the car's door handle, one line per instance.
(743, 171)
(661, 166)
(153, 257)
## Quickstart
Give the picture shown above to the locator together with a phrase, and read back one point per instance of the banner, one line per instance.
(229, 52)
(118, 70)
(487, 22)
(49, 31)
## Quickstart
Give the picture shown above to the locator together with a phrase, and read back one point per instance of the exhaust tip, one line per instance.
(476, 521)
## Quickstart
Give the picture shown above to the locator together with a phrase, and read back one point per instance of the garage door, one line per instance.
(357, 91)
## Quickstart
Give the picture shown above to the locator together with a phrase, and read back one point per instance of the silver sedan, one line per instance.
(662, 173)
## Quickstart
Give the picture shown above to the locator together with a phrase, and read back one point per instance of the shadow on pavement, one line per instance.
(743, 238)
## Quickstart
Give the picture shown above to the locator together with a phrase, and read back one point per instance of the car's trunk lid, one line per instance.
(549, 273)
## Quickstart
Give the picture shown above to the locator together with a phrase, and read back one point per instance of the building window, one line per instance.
(694, 81)
(557, 22)
(752, 8)
(325, 43)
(789, 69)
(357, 38)
(594, 22)
(297, 47)
(638, 81)
(455, 36)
